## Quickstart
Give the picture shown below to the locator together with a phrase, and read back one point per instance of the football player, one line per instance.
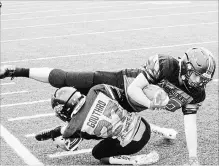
(100, 116)
(184, 80)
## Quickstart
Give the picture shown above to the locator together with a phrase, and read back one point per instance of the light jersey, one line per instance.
(107, 119)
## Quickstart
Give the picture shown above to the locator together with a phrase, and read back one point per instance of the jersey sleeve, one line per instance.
(193, 106)
(159, 67)
(152, 69)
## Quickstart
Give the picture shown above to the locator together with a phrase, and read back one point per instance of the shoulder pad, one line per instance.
(152, 68)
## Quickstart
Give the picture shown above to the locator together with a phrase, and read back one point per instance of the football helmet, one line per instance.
(199, 62)
(66, 102)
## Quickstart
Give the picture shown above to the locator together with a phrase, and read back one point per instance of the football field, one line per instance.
(99, 35)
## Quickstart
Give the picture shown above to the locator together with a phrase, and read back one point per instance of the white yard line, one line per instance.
(113, 31)
(33, 6)
(30, 135)
(31, 117)
(19, 148)
(11, 93)
(107, 52)
(97, 7)
(25, 103)
(69, 153)
(116, 11)
(80, 8)
(65, 23)
(9, 83)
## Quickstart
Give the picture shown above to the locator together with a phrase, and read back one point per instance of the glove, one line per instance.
(7, 71)
(160, 100)
(193, 161)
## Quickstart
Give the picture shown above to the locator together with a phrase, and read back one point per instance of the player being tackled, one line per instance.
(100, 116)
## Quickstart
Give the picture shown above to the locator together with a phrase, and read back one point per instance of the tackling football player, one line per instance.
(100, 116)
(184, 80)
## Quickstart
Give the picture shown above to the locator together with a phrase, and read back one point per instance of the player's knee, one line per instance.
(96, 154)
(57, 78)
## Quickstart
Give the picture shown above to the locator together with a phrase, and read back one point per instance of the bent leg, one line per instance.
(112, 147)
(83, 81)
(40, 74)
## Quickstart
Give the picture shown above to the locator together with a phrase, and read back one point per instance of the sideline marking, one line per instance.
(69, 153)
(31, 117)
(25, 103)
(107, 52)
(20, 149)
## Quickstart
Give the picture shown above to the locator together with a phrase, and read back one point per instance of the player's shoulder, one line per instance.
(160, 66)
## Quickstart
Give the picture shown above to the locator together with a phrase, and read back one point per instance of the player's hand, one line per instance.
(193, 161)
(6, 71)
(160, 100)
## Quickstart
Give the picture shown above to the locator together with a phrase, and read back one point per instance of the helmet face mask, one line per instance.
(66, 102)
(197, 67)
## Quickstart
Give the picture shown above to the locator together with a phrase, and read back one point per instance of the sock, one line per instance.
(56, 132)
(21, 72)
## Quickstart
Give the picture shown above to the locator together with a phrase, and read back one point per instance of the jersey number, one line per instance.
(112, 111)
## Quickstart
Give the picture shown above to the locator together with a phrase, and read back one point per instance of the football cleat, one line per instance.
(7, 71)
(143, 159)
(150, 158)
(167, 133)
(48, 134)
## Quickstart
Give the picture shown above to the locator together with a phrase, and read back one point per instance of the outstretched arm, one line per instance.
(191, 134)
(190, 126)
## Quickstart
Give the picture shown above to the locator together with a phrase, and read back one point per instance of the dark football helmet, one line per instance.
(199, 61)
(66, 102)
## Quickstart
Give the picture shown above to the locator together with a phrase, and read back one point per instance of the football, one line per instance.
(156, 94)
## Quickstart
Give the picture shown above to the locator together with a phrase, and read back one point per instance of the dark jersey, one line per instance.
(163, 70)
(160, 69)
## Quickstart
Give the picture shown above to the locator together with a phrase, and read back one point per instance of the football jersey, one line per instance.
(102, 117)
(163, 70)
(107, 119)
